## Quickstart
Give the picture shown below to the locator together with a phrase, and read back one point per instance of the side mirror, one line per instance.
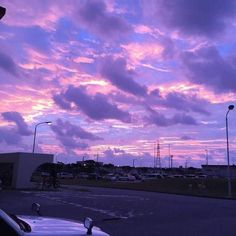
(88, 224)
(36, 208)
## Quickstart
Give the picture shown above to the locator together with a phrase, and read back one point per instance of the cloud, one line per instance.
(193, 17)
(96, 107)
(7, 64)
(93, 15)
(35, 37)
(9, 136)
(115, 70)
(185, 102)
(160, 120)
(68, 134)
(65, 128)
(179, 101)
(120, 157)
(206, 66)
(32, 12)
(186, 137)
(61, 102)
(16, 117)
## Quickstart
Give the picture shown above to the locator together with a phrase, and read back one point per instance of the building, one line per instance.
(220, 171)
(16, 168)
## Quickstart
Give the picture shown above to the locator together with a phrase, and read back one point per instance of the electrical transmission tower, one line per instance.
(157, 155)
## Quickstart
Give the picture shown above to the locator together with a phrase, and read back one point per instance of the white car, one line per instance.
(12, 225)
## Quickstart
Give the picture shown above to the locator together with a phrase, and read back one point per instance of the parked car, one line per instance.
(191, 176)
(94, 176)
(110, 177)
(66, 175)
(178, 176)
(202, 176)
(152, 176)
(82, 176)
(23, 225)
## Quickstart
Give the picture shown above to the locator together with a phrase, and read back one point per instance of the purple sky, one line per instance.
(115, 76)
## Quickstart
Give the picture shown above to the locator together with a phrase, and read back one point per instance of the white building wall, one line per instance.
(24, 164)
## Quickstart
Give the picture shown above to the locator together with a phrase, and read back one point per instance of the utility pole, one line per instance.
(206, 156)
(158, 154)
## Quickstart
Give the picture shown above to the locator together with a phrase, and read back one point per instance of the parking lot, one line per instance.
(125, 212)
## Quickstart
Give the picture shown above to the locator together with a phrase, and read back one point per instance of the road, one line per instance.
(124, 212)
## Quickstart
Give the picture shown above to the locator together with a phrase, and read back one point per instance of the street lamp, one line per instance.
(2, 12)
(230, 107)
(134, 162)
(35, 130)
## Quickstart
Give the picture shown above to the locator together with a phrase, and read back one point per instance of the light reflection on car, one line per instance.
(14, 225)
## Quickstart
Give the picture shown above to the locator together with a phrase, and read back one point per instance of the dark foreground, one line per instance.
(125, 212)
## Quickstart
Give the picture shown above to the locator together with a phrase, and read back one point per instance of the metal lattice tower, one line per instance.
(157, 155)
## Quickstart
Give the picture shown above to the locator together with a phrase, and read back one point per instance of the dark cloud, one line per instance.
(186, 137)
(115, 70)
(183, 119)
(120, 157)
(94, 16)
(179, 101)
(61, 102)
(7, 64)
(197, 17)
(160, 120)
(68, 134)
(16, 117)
(65, 128)
(71, 144)
(207, 67)
(96, 107)
(169, 47)
(184, 102)
(155, 92)
(9, 136)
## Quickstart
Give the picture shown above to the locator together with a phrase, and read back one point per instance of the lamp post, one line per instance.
(230, 107)
(35, 130)
(134, 162)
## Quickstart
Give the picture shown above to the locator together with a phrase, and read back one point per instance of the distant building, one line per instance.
(16, 168)
(220, 171)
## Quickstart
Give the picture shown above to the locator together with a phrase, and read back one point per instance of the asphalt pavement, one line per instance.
(127, 212)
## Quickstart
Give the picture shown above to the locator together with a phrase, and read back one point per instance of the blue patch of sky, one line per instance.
(64, 30)
(85, 37)
(36, 37)
(227, 49)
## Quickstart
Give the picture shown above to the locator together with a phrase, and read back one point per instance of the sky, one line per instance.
(116, 77)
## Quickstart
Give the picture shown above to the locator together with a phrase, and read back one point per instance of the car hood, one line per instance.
(46, 226)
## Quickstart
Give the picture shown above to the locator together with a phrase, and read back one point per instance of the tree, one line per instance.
(2, 12)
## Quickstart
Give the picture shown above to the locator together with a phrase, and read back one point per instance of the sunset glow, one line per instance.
(114, 77)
